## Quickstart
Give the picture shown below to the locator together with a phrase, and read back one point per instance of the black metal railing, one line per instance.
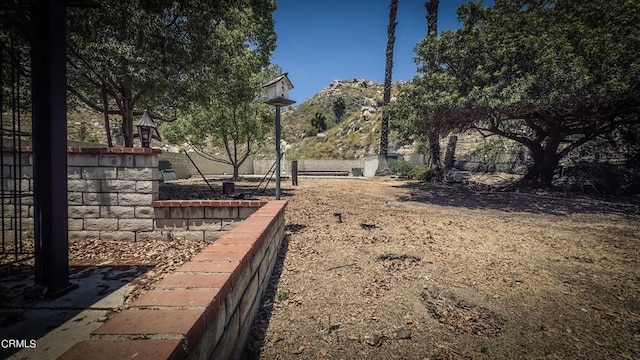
(16, 172)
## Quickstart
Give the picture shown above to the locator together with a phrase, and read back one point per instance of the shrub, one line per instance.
(603, 178)
(409, 170)
(319, 121)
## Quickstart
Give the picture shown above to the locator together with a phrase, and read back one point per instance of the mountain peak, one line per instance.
(362, 83)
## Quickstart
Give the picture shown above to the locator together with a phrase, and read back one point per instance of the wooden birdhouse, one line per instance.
(278, 91)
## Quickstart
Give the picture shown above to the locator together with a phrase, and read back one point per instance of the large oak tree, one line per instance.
(550, 75)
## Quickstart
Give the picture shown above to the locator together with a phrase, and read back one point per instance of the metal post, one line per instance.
(50, 146)
(277, 152)
(294, 173)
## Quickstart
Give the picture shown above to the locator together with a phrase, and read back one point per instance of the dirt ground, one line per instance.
(410, 270)
(431, 271)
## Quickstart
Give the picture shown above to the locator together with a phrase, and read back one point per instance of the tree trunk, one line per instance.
(550, 161)
(547, 170)
(541, 173)
(236, 168)
(107, 126)
(391, 39)
(545, 163)
(432, 17)
(127, 125)
(449, 156)
(127, 115)
(434, 149)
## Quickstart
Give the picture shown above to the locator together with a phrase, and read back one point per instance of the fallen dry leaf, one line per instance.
(402, 334)
(301, 349)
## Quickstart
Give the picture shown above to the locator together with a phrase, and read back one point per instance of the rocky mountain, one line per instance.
(351, 136)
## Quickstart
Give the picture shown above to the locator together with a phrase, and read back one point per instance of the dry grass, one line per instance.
(424, 271)
(447, 272)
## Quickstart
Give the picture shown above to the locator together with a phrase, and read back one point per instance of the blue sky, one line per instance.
(324, 40)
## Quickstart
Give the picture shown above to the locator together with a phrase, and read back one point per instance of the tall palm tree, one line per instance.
(432, 17)
(432, 31)
(391, 39)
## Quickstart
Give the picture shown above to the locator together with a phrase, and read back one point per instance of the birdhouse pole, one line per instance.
(278, 152)
(277, 95)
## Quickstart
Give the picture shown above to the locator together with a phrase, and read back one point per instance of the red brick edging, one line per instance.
(208, 203)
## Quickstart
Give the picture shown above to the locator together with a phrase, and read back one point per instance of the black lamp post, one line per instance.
(147, 130)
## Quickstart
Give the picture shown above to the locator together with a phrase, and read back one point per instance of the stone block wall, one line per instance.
(184, 168)
(260, 167)
(112, 195)
(199, 219)
(110, 192)
(17, 190)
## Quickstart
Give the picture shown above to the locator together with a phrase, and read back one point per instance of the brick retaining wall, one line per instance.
(205, 309)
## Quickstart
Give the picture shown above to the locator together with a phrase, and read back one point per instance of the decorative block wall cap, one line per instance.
(113, 150)
(89, 150)
(208, 203)
(22, 149)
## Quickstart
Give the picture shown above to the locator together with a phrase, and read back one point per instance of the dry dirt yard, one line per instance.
(428, 271)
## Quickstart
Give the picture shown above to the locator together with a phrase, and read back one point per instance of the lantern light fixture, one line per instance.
(147, 130)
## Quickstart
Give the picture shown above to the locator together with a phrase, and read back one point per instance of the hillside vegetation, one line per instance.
(352, 136)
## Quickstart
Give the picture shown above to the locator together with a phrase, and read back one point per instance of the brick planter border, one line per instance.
(204, 310)
(199, 220)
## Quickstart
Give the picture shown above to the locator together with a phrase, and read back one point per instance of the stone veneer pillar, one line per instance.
(110, 192)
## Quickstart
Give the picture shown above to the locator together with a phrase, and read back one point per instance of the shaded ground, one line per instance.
(108, 276)
(153, 259)
(419, 271)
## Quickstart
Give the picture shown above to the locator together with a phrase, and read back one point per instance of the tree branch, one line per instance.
(91, 69)
(521, 139)
(137, 96)
(575, 145)
(90, 103)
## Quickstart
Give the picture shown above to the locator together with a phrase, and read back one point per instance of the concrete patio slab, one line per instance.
(48, 328)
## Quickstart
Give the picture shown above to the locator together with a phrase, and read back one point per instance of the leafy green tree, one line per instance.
(414, 113)
(319, 121)
(233, 115)
(550, 75)
(128, 56)
(339, 108)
